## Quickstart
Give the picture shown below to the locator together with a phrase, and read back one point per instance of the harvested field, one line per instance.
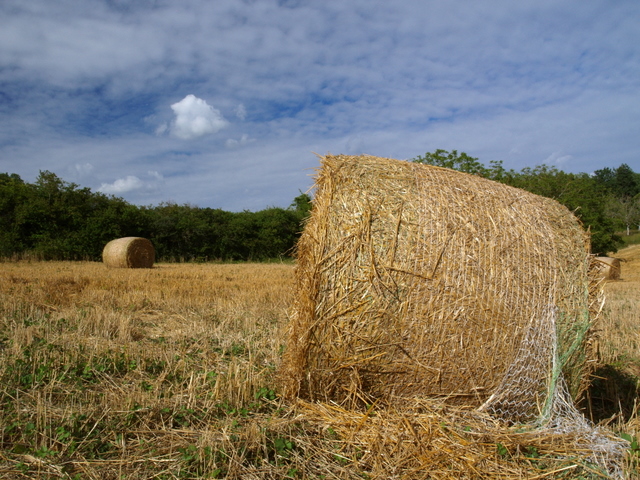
(170, 373)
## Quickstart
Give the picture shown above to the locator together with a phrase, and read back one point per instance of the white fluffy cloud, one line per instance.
(134, 185)
(122, 185)
(195, 118)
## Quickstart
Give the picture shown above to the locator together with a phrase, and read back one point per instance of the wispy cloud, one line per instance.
(557, 159)
(137, 87)
(122, 185)
(244, 140)
(131, 183)
(83, 169)
(241, 112)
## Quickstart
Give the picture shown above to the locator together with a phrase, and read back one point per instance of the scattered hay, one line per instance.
(129, 252)
(608, 268)
(430, 441)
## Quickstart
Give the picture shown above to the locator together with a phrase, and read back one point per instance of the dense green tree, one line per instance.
(621, 182)
(49, 216)
(461, 162)
(219, 245)
(605, 177)
(302, 205)
(13, 193)
(108, 218)
(54, 219)
(278, 230)
(184, 232)
(627, 183)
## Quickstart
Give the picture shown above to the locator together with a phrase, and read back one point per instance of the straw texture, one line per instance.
(129, 252)
(422, 282)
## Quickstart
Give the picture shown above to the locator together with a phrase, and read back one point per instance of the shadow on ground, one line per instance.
(612, 395)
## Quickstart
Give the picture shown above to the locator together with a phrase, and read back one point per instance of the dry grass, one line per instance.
(615, 394)
(168, 373)
(135, 367)
(620, 326)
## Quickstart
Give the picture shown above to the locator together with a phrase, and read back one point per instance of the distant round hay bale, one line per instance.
(129, 252)
(420, 281)
(608, 268)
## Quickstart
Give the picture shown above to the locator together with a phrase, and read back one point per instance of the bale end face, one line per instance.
(129, 252)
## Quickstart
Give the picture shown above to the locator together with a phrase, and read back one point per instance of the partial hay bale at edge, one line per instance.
(129, 252)
(418, 281)
(608, 268)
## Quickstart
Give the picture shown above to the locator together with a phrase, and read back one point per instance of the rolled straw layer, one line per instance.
(421, 281)
(129, 252)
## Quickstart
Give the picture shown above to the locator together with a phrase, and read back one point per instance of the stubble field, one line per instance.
(170, 373)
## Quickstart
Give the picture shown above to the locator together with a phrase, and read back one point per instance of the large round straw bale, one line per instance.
(415, 280)
(129, 252)
(608, 268)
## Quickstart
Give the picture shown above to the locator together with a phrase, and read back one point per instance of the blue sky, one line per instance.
(226, 103)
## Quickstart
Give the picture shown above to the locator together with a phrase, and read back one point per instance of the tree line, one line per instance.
(606, 201)
(52, 219)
